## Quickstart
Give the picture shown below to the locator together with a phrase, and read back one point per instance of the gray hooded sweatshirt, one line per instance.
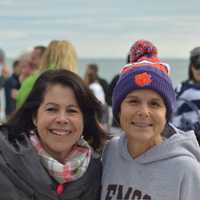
(168, 171)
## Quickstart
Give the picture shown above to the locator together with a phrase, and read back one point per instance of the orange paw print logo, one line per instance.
(142, 79)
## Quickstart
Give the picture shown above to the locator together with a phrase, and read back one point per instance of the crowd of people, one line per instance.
(57, 140)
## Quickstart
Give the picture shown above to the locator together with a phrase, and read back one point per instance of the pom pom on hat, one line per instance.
(142, 48)
(143, 52)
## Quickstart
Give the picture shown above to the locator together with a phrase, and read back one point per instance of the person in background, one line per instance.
(50, 148)
(187, 116)
(93, 82)
(58, 55)
(12, 85)
(4, 75)
(114, 125)
(4, 69)
(152, 159)
(112, 85)
(91, 79)
(30, 61)
(36, 56)
(93, 70)
(25, 65)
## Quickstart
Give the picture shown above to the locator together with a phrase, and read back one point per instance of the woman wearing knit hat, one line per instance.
(152, 159)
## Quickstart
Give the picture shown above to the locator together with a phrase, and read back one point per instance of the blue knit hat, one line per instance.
(144, 75)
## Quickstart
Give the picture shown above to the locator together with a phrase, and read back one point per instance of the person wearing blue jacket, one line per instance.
(187, 115)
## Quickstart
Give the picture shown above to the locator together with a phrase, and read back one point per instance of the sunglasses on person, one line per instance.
(197, 66)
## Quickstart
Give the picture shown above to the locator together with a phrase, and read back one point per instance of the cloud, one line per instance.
(100, 28)
(12, 35)
(6, 3)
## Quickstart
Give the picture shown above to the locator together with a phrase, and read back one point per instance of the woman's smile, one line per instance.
(60, 132)
(143, 116)
(142, 124)
(59, 120)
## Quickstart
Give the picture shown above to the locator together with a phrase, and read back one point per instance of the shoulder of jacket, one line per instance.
(9, 139)
(181, 86)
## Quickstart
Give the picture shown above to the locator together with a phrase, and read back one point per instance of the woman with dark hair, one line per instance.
(187, 116)
(49, 148)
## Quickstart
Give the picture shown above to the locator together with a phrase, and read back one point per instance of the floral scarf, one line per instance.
(75, 164)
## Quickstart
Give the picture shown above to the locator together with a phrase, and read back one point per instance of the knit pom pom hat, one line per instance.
(145, 71)
(146, 76)
(142, 48)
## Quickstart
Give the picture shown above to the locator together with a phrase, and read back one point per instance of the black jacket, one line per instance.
(22, 176)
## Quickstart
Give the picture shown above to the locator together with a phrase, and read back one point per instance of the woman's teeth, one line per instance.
(141, 124)
(60, 132)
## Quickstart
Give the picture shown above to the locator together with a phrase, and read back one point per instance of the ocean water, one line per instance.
(110, 66)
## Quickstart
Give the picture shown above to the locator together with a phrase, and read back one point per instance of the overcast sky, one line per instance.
(103, 28)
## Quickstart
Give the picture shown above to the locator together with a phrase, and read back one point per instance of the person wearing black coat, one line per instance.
(50, 148)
